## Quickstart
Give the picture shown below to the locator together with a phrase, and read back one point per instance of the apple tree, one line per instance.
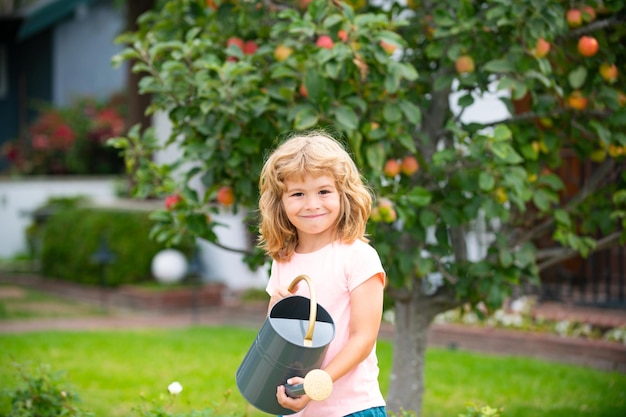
(396, 81)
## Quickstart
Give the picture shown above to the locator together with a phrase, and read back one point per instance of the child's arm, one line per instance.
(366, 309)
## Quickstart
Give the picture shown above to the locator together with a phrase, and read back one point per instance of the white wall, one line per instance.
(83, 48)
(20, 197)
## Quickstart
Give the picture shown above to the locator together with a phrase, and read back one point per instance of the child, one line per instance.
(314, 208)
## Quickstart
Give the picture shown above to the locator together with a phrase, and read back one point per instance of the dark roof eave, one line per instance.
(41, 18)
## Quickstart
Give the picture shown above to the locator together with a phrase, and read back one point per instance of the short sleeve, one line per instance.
(363, 263)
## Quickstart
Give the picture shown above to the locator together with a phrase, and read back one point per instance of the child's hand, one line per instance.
(295, 404)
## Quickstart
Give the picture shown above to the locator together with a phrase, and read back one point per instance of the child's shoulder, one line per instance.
(357, 246)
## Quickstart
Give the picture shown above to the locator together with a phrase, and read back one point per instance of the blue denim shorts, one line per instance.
(370, 412)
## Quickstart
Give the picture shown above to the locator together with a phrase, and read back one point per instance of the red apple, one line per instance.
(304, 91)
(392, 168)
(542, 48)
(388, 47)
(409, 165)
(235, 41)
(225, 196)
(464, 64)
(577, 100)
(250, 47)
(587, 46)
(608, 72)
(172, 201)
(342, 35)
(589, 14)
(282, 52)
(325, 41)
(574, 18)
(303, 4)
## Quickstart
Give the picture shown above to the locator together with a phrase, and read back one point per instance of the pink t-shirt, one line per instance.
(336, 270)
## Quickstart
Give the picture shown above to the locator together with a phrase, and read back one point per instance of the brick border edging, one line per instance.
(598, 354)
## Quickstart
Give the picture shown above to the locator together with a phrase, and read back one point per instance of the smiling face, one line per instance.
(312, 205)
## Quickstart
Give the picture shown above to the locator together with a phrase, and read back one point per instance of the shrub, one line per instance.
(71, 236)
(43, 394)
(70, 140)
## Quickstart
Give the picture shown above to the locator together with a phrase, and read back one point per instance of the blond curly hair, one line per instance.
(314, 153)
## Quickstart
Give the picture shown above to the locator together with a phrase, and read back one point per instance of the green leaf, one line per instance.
(392, 112)
(305, 118)
(443, 18)
(428, 218)
(577, 77)
(506, 258)
(562, 217)
(346, 118)
(499, 66)
(444, 82)
(466, 100)
(375, 155)
(502, 133)
(407, 71)
(505, 152)
(551, 180)
(543, 198)
(419, 196)
(407, 141)
(486, 181)
(412, 112)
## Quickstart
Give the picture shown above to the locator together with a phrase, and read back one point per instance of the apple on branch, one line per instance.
(608, 72)
(282, 52)
(587, 46)
(574, 18)
(225, 196)
(577, 100)
(464, 64)
(392, 168)
(542, 48)
(409, 165)
(172, 201)
(325, 41)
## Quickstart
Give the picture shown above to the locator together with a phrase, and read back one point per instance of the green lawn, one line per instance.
(111, 370)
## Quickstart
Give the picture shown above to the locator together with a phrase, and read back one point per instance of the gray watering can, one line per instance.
(291, 342)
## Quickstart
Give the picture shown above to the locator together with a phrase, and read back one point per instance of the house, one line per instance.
(52, 51)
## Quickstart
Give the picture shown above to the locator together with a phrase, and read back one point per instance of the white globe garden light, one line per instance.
(169, 266)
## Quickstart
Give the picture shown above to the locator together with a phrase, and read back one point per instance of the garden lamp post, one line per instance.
(103, 257)
(195, 273)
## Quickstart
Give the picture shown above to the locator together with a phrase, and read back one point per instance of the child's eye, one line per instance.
(297, 194)
(325, 192)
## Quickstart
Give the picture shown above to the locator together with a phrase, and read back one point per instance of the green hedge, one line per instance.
(71, 236)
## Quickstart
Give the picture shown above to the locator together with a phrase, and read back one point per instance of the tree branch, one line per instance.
(596, 25)
(588, 188)
(554, 256)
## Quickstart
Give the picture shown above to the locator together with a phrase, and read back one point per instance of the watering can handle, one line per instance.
(308, 337)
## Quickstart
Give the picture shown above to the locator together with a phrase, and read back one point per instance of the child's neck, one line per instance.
(312, 245)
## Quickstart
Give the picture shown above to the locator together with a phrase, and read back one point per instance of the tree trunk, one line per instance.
(137, 103)
(413, 318)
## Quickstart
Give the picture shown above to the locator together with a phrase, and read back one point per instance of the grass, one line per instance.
(111, 370)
